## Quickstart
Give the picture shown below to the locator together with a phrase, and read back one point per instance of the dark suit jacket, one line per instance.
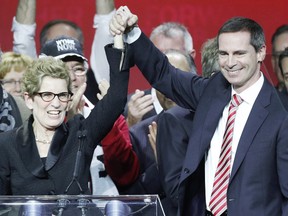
(148, 181)
(259, 176)
(283, 95)
(174, 128)
(21, 170)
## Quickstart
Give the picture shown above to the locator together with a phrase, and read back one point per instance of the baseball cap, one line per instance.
(62, 47)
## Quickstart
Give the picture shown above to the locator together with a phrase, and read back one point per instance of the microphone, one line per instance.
(117, 208)
(62, 203)
(77, 164)
(80, 135)
(82, 205)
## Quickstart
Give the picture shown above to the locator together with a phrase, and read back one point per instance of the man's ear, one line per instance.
(193, 54)
(261, 54)
(28, 100)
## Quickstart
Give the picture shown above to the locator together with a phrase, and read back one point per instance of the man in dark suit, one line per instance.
(149, 181)
(174, 127)
(257, 153)
(173, 134)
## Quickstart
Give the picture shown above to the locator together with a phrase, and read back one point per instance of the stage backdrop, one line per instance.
(202, 17)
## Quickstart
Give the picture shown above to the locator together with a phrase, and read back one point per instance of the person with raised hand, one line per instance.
(36, 156)
(236, 161)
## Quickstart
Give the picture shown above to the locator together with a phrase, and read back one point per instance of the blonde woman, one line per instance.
(12, 68)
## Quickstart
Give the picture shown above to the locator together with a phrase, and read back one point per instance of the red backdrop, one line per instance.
(202, 17)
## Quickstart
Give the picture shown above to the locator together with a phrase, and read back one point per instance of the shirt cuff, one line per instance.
(133, 35)
(102, 18)
(29, 29)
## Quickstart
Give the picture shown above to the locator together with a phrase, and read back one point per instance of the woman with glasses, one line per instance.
(12, 68)
(114, 165)
(47, 155)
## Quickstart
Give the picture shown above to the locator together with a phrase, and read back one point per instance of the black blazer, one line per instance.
(21, 170)
(259, 176)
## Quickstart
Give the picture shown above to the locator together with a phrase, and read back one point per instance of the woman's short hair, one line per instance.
(44, 67)
(14, 61)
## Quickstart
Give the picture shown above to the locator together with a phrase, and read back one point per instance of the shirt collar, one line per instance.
(250, 94)
(157, 106)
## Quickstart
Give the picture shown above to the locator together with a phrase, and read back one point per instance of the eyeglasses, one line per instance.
(277, 53)
(49, 96)
(78, 70)
(11, 82)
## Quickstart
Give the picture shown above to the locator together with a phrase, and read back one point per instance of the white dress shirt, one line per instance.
(212, 157)
(157, 106)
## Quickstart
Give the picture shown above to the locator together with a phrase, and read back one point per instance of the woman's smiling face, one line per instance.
(49, 115)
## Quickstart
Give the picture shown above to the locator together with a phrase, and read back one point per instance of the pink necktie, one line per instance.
(218, 202)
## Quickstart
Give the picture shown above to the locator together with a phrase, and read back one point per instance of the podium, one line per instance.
(82, 205)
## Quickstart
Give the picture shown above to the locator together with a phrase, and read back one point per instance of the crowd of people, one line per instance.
(213, 144)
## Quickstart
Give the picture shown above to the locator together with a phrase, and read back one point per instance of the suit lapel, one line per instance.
(57, 145)
(28, 150)
(207, 123)
(213, 115)
(29, 153)
(255, 120)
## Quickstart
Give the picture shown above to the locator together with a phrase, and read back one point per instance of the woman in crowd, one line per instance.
(12, 68)
(45, 155)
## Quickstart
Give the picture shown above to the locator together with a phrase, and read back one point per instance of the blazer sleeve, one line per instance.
(121, 162)
(107, 110)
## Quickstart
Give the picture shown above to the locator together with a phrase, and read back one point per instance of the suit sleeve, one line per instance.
(282, 164)
(107, 110)
(183, 88)
(120, 160)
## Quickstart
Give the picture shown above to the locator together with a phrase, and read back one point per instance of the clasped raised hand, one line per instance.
(122, 21)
